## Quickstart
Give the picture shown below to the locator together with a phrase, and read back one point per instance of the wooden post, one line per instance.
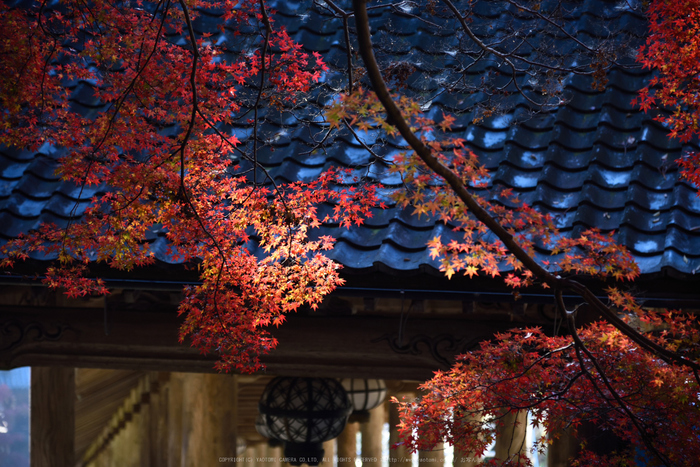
(142, 422)
(328, 453)
(564, 446)
(159, 427)
(466, 459)
(249, 457)
(434, 458)
(347, 446)
(372, 437)
(510, 438)
(131, 434)
(174, 418)
(261, 455)
(52, 422)
(399, 457)
(276, 454)
(121, 449)
(209, 419)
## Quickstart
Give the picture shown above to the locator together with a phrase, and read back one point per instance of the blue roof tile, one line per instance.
(595, 161)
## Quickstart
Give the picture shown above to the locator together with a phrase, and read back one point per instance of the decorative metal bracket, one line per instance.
(442, 347)
(14, 332)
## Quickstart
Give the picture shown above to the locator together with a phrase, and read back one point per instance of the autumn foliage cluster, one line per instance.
(601, 380)
(158, 152)
(155, 151)
(673, 50)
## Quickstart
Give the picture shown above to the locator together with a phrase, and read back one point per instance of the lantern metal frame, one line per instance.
(261, 428)
(304, 412)
(365, 394)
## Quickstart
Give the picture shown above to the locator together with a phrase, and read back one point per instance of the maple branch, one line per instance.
(183, 189)
(567, 34)
(521, 58)
(395, 118)
(505, 57)
(40, 20)
(110, 123)
(505, 401)
(193, 85)
(46, 62)
(517, 455)
(558, 395)
(263, 58)
(553, 23)
(233, 146)
(348, 47)
(318, 144)
(581, 347)
(634, 335)
(268, 176)
(346, 30)
(532, 365)
(363, 144)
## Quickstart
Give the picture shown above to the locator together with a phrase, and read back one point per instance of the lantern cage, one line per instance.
(261, 428)
(304, 412)
(365, 395)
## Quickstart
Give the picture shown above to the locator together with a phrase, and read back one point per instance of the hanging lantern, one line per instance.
(365, 395)
(304, 412)
(261, 428)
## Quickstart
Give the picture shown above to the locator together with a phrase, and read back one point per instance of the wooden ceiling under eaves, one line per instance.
(101, 396)
(98, 395)
(105, 398)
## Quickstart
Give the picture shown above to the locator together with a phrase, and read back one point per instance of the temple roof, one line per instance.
(594, 161)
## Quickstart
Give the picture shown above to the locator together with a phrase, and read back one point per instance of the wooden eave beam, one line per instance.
(331, 346)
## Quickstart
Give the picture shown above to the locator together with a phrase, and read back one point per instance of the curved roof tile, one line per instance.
(596, 161)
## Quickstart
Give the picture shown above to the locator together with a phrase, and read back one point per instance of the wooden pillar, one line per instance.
(209, 419)
(510, 438)
(142, 421)
(174, 419)
(466, 459)
(276, 454)
(124, 450)
(328, 453)
(102, 459)
(399, 457)
(249, 456)
(108, 453)
(347, 446)
(159, 426)
(261, 458)
(52, 429)
(433, 458)
(131, 441)
(372, 437)
(564, 447)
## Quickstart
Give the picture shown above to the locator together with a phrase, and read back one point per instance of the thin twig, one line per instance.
(263, 59)
(183, 145)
